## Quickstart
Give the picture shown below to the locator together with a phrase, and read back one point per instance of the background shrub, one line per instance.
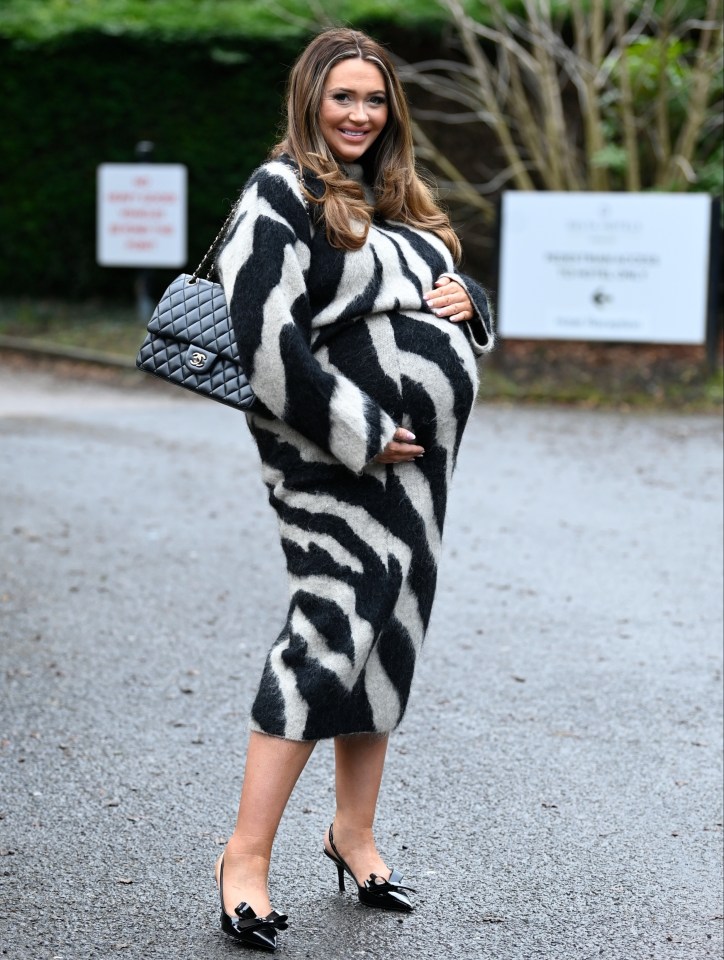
(73, 104)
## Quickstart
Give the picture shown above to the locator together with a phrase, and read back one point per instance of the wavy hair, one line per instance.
(400, 193)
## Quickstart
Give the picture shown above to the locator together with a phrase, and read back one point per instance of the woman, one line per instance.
(359, 340)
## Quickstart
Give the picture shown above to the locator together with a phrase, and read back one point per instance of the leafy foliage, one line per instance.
(657, 66)
(43, 20)
(36, 21)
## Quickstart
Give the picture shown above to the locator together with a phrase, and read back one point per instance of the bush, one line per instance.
(88, 100)
(84, 82)
(32, 21)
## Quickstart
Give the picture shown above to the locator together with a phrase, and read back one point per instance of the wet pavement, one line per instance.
(555, 790)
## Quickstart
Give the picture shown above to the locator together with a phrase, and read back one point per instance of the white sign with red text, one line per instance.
(141, 219)
(605, 266)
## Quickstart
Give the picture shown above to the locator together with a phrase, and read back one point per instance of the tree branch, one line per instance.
(482, 68)
(696, 112)
(427, 149)
(628, 119)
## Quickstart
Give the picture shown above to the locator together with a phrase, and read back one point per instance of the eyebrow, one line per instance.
(372, 93)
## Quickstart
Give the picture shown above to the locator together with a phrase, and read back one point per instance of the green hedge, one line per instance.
(75, 102)
(70, 106)
(32, 21)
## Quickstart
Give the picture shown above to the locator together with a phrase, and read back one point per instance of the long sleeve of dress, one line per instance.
(263, 268)
(481, 325)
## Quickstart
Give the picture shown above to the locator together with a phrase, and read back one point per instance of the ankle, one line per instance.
(244, 845)
(352, 833)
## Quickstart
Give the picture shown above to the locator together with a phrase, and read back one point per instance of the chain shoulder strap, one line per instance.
(227, 222)
(219, 235)
(302, 185)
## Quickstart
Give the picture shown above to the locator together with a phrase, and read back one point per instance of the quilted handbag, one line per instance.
(191, 343)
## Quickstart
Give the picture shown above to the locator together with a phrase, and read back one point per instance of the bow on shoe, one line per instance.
(248, 921)
(278, 919)
(379, 887)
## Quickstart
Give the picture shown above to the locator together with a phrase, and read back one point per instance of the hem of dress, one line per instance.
(255, 728)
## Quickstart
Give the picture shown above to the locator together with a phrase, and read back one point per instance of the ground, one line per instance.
(554, 792)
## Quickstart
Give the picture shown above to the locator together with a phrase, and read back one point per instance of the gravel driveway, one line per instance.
(555, 789)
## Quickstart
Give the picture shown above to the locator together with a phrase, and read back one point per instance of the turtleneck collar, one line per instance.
(355, 171)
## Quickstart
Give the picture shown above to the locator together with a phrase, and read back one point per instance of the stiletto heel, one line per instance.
(376, 892)
(260, 933)
(340, 869)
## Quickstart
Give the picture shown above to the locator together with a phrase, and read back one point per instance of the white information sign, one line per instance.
(604, 266)
(141, 218)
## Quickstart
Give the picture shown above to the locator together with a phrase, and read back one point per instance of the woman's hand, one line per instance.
(400, 449)
(449, 300)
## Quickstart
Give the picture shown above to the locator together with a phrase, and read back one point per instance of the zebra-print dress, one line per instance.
(340, 348)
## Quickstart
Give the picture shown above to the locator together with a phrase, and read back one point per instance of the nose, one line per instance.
(358, 112)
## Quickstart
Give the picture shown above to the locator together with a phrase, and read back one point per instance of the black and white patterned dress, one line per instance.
(341, 348)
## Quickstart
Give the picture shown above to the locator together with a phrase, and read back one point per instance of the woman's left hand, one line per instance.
(450, 300)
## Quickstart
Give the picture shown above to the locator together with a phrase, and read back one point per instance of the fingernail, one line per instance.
(411, 436)
(437, 312)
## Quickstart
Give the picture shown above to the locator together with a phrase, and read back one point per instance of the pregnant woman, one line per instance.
(360, 341)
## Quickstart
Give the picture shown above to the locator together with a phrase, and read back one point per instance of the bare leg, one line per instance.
(272, 769)
(359, 760)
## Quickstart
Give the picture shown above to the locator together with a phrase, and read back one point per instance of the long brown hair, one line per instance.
(400, 193)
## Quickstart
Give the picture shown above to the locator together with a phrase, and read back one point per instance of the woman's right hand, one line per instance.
(401, 448)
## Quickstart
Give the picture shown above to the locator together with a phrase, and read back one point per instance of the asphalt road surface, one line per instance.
(555, 789)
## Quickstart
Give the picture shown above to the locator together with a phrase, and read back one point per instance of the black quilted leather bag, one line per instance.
(191, 342)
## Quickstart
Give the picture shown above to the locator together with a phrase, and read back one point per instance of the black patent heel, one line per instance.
(376, 892)
(259, 933)
(340, 869)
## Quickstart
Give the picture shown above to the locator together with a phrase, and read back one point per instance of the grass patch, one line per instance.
(591, 375)
(105, 328)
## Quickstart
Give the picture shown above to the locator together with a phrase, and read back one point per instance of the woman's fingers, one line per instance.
(452, 293)
(401, 449)
(450, 300)
(399, 453)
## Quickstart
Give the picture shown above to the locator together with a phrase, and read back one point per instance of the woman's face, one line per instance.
(353, 111)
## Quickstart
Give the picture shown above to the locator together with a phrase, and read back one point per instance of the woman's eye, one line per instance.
(340, 97)
(377, 101)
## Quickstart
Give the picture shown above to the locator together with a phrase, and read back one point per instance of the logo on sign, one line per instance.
(600, 298)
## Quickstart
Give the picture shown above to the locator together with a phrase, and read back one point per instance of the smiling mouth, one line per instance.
(358, 134)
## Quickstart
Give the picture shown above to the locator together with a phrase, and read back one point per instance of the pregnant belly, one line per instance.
(415, 366)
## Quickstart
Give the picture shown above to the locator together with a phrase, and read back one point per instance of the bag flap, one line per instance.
(195, 313)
